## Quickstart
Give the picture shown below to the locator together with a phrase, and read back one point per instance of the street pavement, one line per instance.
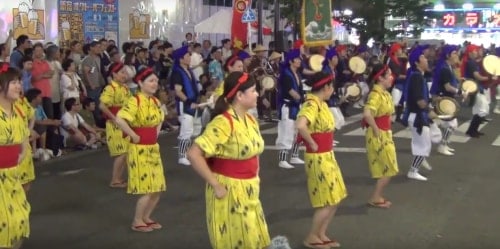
(73, 207)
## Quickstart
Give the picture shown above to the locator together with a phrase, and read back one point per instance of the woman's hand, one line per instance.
(314, 146)
(376, 132)
(220, 191)
(136, 139)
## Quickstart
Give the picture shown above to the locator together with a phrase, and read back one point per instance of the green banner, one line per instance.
(316, 23)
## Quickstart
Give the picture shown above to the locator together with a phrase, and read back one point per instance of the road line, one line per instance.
(357, 132)
(335, 149)
(496, 142)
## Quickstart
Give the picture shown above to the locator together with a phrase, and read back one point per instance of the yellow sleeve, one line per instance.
(107, 95)
(216, 134)
(162, 113)
(373, 102)
(30, 112)
(309, 110)
(220, 89)
(129, 111)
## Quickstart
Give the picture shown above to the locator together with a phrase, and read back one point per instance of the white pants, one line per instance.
(287, 134)
(421, 144)
(450, 124)
(481, 105)
(396, 96)
(497, 96)
(190, 127)
(338, 117)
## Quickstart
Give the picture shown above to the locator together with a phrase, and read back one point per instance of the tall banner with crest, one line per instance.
(239, 30)
(316, 22)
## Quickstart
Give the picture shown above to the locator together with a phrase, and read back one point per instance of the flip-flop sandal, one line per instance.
(384, 204)
(316, 245)
(154, 225)
(118, 185)
(142, 228)
(332, 243)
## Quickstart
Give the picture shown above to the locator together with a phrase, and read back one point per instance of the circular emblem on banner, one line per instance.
(241, 5)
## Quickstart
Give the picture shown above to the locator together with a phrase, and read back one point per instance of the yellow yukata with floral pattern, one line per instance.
(14, 208)
(145, 168)
(381, 152)
(237, 220)
(324, 179)
(219, 90)
(26, 167)
(115, 94)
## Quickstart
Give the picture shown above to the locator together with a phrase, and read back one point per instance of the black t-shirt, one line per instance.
(445, 77)
(417, 86)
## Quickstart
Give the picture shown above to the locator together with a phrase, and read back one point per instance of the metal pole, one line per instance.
(277, 16)
(260, 13)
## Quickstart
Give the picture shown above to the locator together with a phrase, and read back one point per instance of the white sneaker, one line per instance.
(426, 165)
(443, 150)
(39, 153)
(416, 176)
(49, 152)
(285, 165)
(497, 110)
(448, 148)
(296, 160)
(184, 161)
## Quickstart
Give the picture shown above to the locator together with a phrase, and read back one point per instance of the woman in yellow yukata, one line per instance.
(226, 156)
(141, 119)
(114, 96)
(325, 184)
(14, 208)
(27, 167)
(380, 147)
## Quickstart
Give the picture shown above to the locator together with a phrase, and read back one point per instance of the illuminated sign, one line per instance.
(449, 20)
(472, 19)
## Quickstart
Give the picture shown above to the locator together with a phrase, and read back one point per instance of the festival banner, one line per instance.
(239, 30)
(316, 22)
(88, 20)
(29, 21)
(139, 25)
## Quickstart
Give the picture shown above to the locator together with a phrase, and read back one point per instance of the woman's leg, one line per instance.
(138, 223)
(151, 205)
(118, 168)
(377, 195)
(326, 223)
(318, 223)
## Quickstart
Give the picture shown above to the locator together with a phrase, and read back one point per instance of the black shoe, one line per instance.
(480, 133)
(473, 134)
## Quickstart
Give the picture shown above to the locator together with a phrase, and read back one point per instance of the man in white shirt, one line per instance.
(197, 63)
(72, 122)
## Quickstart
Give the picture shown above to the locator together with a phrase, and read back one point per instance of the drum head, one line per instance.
(446, 106)
(357, 65)
(469, 86)
(353, 92)
(267, 82)
(491, 64)
(316, 62)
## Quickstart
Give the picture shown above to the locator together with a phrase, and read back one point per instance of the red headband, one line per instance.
(116, 68)
(4, 68)
(323, 82)
(379, 73)
(241, 80)
(231, 61)
(148, 71)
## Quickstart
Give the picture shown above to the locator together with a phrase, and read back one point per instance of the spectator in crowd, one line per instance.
(26, 67)
(141, 58)
(42, 122)
(41, 75)
(5, 48)
(197, 63)
(53, 55)
(226, 49)
(86, 137)
(76, 54)
(71, 82)
(129, 62)
(206, 49)
(189, 39)
(91, 74)
(215, 66)
(22, 43)
(86, 113)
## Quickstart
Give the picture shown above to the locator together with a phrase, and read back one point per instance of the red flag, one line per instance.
(239, 30)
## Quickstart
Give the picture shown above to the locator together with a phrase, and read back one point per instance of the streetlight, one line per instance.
(439, 6)
(468, 6)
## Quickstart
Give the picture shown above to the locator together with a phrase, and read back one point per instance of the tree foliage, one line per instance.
(368, 16)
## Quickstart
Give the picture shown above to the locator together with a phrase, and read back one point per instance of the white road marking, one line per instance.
(497, 141)
(335, 149)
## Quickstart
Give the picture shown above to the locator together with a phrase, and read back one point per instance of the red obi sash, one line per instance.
(114, 110)
(239, 169)
(383, 123)
(10, 155)
(148, 135)
(324, 141)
